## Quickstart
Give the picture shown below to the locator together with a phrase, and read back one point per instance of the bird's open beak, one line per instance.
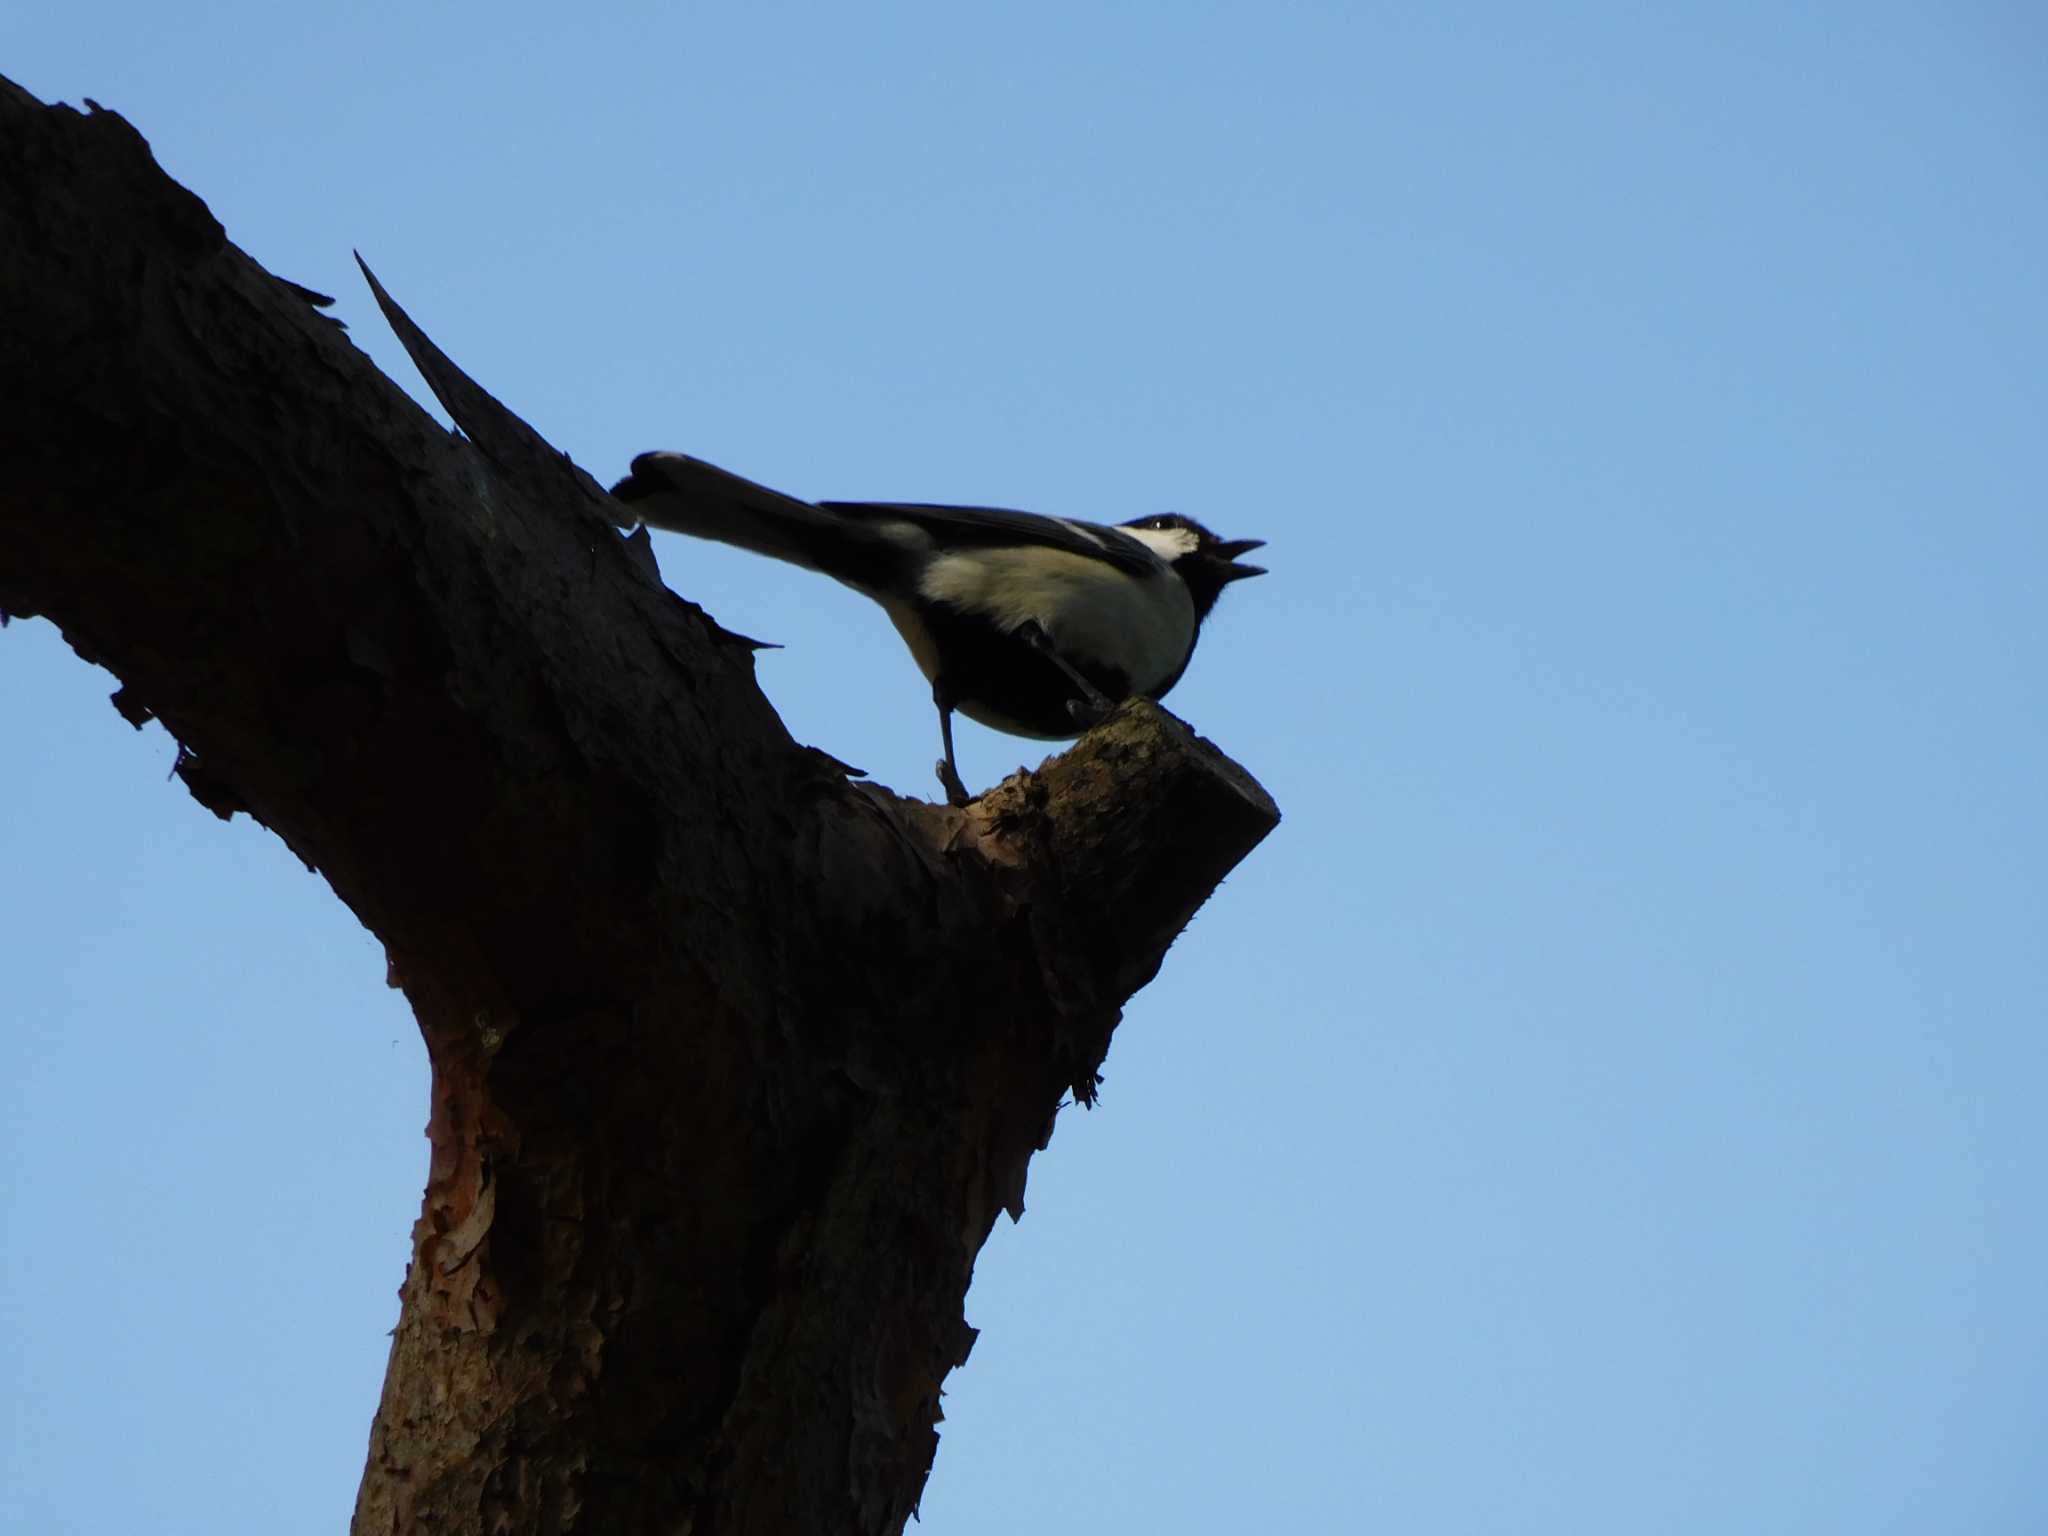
(1230, 549)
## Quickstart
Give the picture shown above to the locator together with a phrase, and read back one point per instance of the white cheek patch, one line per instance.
(1169, 544)
(1141, 626)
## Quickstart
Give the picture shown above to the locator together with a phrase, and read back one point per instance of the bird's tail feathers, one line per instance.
(687, 495)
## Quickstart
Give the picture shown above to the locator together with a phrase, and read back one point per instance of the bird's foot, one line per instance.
(1090, 712)
(949, 780)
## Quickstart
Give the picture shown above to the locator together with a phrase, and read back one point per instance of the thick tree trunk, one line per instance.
(735, 1060)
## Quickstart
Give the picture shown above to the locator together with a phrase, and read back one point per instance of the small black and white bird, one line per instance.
(1032, 625)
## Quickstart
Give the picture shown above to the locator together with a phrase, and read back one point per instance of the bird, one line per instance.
(1032, 625)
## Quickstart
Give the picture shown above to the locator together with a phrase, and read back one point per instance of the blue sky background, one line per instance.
(1613, 1102)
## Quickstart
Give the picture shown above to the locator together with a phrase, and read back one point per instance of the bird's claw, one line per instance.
(956, 792)
(1089, 713)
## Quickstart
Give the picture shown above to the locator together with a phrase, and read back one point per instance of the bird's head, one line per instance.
(1206, 563)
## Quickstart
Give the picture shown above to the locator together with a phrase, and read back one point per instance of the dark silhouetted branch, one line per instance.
(735, 1060)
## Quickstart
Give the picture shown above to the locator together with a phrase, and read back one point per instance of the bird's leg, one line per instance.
(1094, 705)
(949, 776)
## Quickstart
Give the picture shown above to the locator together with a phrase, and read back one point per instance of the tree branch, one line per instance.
(735, 1060)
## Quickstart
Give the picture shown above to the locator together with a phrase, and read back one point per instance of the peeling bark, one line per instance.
(735, 1060)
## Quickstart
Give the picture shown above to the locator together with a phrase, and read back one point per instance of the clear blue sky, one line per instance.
(1613, 1102)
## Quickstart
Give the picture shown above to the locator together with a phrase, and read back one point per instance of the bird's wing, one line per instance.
(985, 527)
(858, 541)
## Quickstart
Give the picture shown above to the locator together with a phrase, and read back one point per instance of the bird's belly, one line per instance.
(1009, 685)
(1141, 627)
(1039, 719)
(1125, 637)
(916, 634)
(998, 680)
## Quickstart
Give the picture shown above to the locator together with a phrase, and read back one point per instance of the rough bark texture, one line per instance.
(735, 1061)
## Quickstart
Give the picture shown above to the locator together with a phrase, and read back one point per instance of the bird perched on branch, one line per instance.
(1037, 626)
